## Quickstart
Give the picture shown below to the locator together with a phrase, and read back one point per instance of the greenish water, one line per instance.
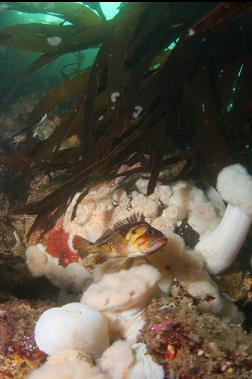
(110, 8)
(14, 61)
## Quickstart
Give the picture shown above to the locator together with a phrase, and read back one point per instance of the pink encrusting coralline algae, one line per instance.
(156, 328)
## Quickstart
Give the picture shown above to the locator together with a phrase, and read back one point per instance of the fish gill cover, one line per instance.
(171, 82)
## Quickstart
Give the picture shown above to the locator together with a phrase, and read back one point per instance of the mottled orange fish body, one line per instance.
(129, 240)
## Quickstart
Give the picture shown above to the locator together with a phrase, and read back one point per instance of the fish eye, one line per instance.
(150, 232)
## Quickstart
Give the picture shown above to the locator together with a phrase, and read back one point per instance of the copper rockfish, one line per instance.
(128, 240)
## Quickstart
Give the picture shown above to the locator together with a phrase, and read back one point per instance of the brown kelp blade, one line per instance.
(44, 222)
(78, 180)
(157, 151)
(69, 88)
(46, 38)
(224, 12)
(240, 104)
(73, 12)
(36, 37)
(95, 5)
(41, 61)
(112, 55)
(46, 151)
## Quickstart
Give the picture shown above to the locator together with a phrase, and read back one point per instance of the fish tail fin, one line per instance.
(81, 245)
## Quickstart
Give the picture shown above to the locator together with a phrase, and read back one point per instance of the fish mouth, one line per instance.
(160, 242)
(152, 247)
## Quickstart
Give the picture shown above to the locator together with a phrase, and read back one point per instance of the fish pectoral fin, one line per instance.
(81, 245)
(121, 262)
(100, 258)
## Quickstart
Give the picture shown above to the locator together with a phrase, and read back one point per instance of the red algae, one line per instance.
(56, 240)
(57, 244)
(68, 256)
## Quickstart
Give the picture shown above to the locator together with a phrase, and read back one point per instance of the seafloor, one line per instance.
(186, 342)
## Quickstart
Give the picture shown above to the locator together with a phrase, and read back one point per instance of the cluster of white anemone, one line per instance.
(77, 336)
(111, 306)
(105, 205)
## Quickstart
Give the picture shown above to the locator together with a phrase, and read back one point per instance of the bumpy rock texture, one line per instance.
(193, 345)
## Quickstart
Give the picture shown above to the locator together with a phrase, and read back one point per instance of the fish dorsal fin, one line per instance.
(136, 217)
(105, 236)
(81, 245)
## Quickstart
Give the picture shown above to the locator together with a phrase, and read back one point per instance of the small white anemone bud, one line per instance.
(54, 41)
(137, 111)
(115, 96)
